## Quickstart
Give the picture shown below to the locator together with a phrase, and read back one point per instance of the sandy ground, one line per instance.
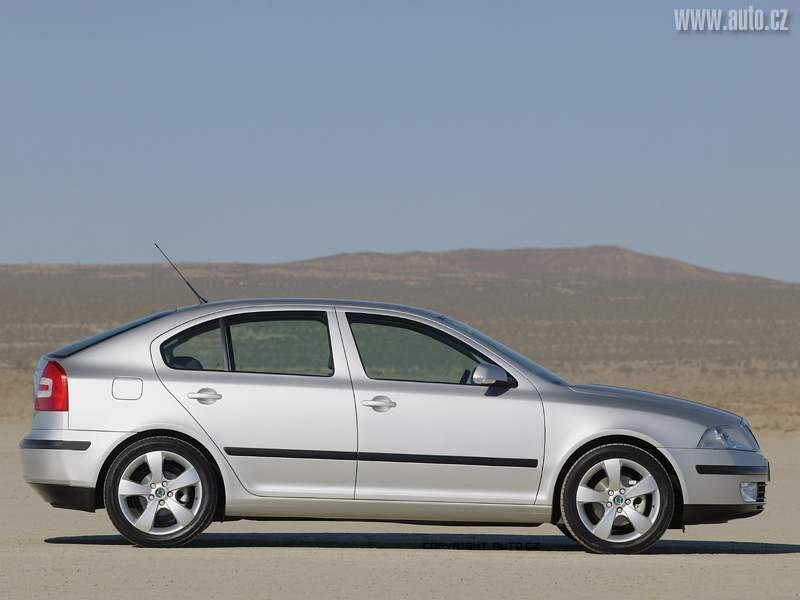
(67, 554)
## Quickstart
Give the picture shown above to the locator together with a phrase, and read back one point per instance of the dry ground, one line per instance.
(45, 552)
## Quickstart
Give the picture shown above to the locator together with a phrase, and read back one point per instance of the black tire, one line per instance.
(206, 503)
(569, 506)
(567, 533)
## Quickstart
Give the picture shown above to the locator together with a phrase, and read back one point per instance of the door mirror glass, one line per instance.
(486, 374)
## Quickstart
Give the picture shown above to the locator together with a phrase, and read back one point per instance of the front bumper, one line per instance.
(711, 484)
(713, 476)
(696, 514)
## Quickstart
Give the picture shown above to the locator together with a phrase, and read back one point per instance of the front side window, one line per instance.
(403, 350)
(291, 343)
(200, 348)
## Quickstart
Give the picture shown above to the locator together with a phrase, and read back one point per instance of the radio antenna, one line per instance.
(200, 299)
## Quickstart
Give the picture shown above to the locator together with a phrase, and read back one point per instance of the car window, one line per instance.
(290, 343)
(402, 350)
(200, 348)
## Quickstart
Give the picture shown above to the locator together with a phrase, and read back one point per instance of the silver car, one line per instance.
(332, 409)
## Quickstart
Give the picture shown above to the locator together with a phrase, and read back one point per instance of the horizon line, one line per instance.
(396, 254)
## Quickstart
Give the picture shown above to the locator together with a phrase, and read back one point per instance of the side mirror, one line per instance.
(485, 374)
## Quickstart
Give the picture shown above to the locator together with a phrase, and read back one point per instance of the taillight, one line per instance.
(51, 389)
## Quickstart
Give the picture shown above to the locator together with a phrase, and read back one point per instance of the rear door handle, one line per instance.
(380, 404)
(205, 396)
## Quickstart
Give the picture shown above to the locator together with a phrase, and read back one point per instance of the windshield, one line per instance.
(71, 349)
(501, 348)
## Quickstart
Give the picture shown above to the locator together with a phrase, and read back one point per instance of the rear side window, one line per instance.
(279, 343)
(290, 343)
(200, 348)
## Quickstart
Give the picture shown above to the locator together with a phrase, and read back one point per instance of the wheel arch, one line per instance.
(219, 511)
(602, 440)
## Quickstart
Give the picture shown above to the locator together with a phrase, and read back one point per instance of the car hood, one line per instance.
(660, 403)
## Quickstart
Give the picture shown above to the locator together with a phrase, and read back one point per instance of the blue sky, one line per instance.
(272, 131)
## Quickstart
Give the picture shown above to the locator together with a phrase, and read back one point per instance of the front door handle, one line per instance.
(205, 396)
(380, 404)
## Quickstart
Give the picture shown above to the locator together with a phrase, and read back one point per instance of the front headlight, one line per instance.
(729, 437)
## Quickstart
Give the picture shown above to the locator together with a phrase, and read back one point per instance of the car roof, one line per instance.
(210, 307)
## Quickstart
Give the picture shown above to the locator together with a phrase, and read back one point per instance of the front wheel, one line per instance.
(566, 532)
(617, 498)
(160, 492)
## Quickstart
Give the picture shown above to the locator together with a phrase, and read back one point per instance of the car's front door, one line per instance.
(425, 431)
(272, 389)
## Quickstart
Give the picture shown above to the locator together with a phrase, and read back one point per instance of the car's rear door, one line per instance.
(425, 432)
(271, 387)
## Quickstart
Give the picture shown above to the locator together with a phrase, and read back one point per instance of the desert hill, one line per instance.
(594, 314)
(612, 262)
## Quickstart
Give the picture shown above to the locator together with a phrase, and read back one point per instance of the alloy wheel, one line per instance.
(618, 500)
(160, 492)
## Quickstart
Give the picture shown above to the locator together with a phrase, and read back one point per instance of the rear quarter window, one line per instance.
(200, 348)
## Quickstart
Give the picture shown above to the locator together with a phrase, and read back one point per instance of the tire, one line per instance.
(167, 512)
(617, 499)
(567, 533)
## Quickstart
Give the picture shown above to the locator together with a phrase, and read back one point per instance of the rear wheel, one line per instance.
(617, 498)
(160, 492)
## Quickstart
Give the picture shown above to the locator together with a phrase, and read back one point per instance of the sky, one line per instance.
(274, 131)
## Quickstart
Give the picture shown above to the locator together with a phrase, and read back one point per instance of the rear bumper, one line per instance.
(67, 496)
(62, 465)
(36, 444)
(65, 457)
